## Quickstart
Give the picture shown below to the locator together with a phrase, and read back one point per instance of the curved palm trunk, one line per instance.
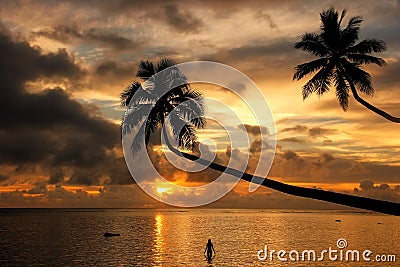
(333, 197)
(371, 107)
(365, 103)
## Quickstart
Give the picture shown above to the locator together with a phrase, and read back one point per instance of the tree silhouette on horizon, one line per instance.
(158, 102)
(339, 61)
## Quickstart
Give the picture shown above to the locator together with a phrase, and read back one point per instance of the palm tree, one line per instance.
(182, 108)
(339, 61)
(152, 105)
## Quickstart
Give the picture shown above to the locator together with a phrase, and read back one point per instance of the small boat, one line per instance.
(110, 234)
(338, 220)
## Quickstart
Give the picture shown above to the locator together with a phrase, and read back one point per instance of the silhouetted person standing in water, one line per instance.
(209, 249)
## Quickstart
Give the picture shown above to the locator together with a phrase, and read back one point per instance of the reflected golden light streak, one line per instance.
(159, 242)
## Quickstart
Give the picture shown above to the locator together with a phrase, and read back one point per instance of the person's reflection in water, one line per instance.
(209, 249)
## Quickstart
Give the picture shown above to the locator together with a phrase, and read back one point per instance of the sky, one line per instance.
(64, 63)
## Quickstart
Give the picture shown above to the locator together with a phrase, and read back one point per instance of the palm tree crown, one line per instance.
(162, 96)
(340, 58)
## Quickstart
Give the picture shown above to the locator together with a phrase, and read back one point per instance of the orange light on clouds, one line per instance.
(161, 190)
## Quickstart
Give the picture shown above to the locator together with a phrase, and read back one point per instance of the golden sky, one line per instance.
(64, 64)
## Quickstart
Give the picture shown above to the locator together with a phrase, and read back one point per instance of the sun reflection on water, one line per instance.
(159, 242)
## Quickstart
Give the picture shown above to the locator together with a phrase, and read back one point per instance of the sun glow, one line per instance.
(161, 190)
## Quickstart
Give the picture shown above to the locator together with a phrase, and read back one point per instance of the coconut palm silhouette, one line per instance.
(166, 98)
(340, 59)
(162, 97)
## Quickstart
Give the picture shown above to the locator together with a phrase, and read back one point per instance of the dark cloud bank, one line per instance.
(50, 132)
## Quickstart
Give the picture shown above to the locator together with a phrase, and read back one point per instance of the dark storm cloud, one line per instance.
(383, 191)
(115, 68)
(328, 168)
(261, 58)
(319, 132)
(313, 132)
(49, 129)
(110, 196)
(21, 63)
(255, 146)
(293, 140)
(181, 20)
(297, 129)
(254, 130)
(253, 51)
(327, 157)
(290, 155)
(175, 14)
(66, 33)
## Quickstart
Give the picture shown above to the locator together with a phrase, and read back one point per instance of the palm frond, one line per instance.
(342, 90)
(360, 78)
(190, 95)
(344, 11)
(320, 83)
(146, 70)
(189, 111)
(366, 59)
(349, 35)
(190, 106)
(199, 122)
(153, 121)
(367, 46)
(309, 68)
(135, 116)
(183, 130)
(138, 139)
(330, 28)
(165, 63)
(164, 95)
(311, 42)
(128, 93)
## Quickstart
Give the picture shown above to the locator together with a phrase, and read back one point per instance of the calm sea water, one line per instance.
(57, 237)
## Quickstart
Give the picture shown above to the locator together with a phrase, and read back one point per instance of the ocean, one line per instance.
(177, 237)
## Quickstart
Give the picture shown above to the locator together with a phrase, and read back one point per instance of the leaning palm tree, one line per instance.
(152, 104)
(339, 60)
(160, 102)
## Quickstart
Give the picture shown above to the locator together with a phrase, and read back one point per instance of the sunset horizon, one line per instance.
(66, 150)
(199, 133)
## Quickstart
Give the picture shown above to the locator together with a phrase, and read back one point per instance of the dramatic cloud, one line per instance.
(54, 137)
(262, 15)
(291, 166)
(254, 130)
(68, 34)
(308, 134)
(297, 129)
(293, 140)
(107, 68)
(21, 63)
(319, 132)
(112, 196)
(382, 191)
(49, 130)
(180, 20)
